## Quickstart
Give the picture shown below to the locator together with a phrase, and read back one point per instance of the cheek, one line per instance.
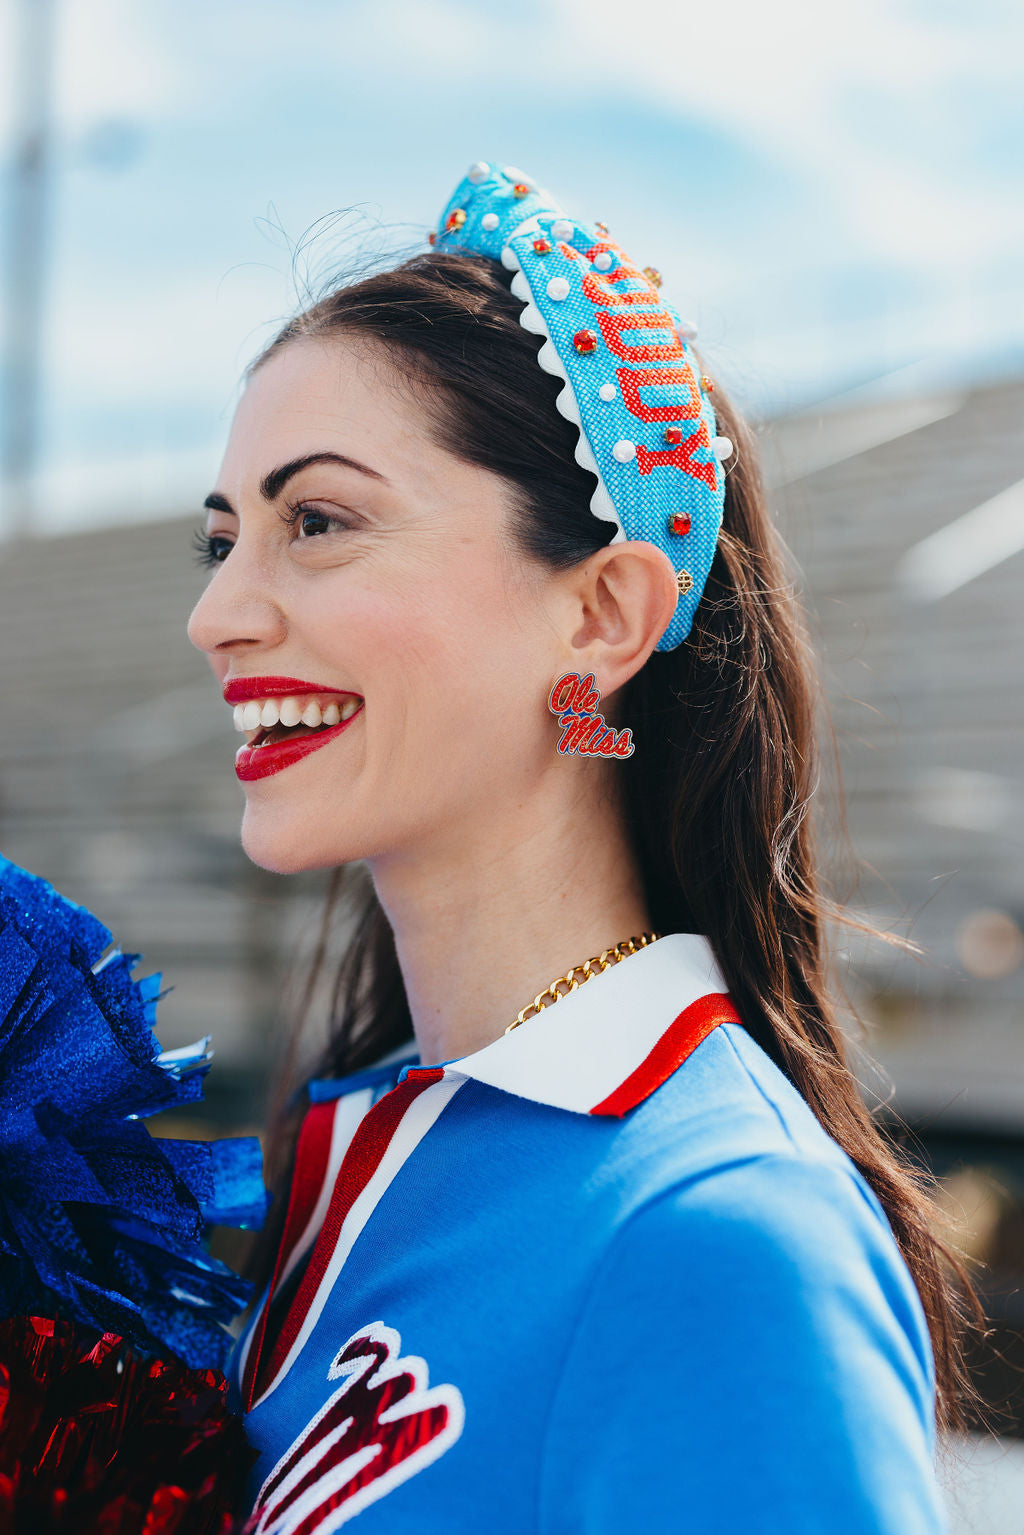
(450, 656)
(471, 691)
(436, 624)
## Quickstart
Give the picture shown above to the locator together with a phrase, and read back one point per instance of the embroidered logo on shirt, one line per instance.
(379, 1428)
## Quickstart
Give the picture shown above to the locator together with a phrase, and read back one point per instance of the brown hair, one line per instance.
(719, 799)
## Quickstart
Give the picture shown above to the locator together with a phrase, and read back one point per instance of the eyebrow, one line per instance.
(273, 483)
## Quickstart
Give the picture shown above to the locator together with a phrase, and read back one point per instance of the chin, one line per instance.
(283, 844)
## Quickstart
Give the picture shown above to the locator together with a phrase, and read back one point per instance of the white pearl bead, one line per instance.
(607, 391)
(603, 261)
(686, 330)
(558, 288)
(624, 450)
(490, 221)
(563, 229)
(478, 171)
(721, 447)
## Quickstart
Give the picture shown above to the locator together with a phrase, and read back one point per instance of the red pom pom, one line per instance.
(94, 1438)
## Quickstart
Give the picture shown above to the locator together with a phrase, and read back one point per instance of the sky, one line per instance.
(835, 193)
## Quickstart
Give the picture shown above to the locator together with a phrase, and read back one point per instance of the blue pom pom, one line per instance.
(99, 1219)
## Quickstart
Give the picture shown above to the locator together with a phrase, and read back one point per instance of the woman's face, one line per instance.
(382, 597)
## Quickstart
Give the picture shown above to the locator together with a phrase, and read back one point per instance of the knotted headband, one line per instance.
(632, 384)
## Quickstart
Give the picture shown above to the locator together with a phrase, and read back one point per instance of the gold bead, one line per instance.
(684, 581)
(653, 276)
(706, 383)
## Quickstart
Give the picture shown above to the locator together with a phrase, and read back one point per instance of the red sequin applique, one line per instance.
(681, 457)
(632, 380)
(379, 1428)
(614, 323)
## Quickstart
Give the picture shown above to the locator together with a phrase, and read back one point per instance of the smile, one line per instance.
(286, 720)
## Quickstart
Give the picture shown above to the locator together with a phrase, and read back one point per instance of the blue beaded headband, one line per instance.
(647, 426)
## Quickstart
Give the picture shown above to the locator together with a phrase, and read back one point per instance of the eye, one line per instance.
(210, 548)
(310, 521)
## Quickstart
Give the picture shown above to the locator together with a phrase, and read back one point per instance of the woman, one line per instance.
(634, 1254)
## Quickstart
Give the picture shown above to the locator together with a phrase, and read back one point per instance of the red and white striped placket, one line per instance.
(386, 1135)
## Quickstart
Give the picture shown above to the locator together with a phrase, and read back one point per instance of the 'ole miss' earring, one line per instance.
(575, 699)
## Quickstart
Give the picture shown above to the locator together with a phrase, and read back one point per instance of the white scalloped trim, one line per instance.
(531, 319)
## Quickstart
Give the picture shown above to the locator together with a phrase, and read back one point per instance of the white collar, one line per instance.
(605, 1047)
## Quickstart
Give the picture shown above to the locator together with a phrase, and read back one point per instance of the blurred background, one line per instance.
(834, 194)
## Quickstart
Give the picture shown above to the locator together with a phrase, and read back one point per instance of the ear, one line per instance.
(626, 595)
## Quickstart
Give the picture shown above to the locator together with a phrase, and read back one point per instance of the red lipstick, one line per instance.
(240, 690)
(262, 757)
(253, 762)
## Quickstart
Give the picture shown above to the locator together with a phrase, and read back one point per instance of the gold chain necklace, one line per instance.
(580, 973)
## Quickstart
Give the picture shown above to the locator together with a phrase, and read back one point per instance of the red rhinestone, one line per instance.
(520, 189)
(456, 218)
(542, 246)
(432, 237)
(585, 341)
(679, 522)
(705, 383)
(673, 434)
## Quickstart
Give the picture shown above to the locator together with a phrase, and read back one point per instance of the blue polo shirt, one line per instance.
(608, 1273)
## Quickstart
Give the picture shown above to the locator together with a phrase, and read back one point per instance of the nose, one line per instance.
(238, 610)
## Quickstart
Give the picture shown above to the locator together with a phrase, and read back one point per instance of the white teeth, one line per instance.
(268, 712)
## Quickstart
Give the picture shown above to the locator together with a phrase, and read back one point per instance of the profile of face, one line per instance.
(386, 583)
(376, 592)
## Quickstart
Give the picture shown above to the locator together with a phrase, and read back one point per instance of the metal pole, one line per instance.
(25, 242)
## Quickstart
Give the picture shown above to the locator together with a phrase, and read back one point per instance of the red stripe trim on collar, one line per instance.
(611, 1042)
(311, 1157)
(679, 1040)
(361, 1160)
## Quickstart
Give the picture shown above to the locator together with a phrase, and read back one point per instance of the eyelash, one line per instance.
(295, 513)
(206, 544)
